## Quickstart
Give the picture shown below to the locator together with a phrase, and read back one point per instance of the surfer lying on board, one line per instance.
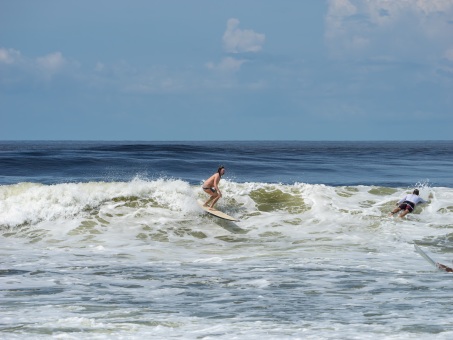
(407, 203)
(211, 187)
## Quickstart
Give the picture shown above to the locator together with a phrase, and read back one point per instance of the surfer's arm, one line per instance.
(421, 201)
(401, 200)
(216, 184)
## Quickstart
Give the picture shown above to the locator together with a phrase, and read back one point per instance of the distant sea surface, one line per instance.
(331, 163)
(105, 240)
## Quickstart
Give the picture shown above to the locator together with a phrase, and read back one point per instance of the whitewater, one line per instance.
(138, 258)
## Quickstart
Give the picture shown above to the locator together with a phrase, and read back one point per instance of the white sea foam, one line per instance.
(167, 210)
(140, 259)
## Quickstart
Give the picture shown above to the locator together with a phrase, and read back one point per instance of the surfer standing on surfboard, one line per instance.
(408, 203)
(211, 187)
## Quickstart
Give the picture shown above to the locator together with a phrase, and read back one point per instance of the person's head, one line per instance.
(416, 192)
(221, 170)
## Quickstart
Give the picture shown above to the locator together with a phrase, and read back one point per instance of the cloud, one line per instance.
(236, 40)
(413, 29)
(449, 54)
(227, 64)
(19, 71)
(51, 63)
(46, 65)
(99, 67)
(9, 56)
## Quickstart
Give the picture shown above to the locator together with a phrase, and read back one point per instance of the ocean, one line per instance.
(105, 240)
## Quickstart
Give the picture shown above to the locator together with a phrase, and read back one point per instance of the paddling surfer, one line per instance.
(407, 203)
(211, 187)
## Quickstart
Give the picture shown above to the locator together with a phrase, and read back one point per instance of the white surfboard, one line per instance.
(217, 213)
(424, 255)
(438, 265)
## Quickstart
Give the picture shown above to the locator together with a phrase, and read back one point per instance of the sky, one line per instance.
(178, 70)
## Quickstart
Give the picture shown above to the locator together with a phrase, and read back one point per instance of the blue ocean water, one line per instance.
(331, 163)
(105, 240)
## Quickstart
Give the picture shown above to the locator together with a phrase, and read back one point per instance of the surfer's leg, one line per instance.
(207, 202)
(211, 192)
(395, 211)
(214, 201)
(404, 213)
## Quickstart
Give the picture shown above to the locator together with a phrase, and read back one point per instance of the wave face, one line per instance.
(101, 204)
(134, 258)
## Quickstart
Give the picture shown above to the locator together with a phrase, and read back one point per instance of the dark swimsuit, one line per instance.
(207, 188)
(407, 205)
